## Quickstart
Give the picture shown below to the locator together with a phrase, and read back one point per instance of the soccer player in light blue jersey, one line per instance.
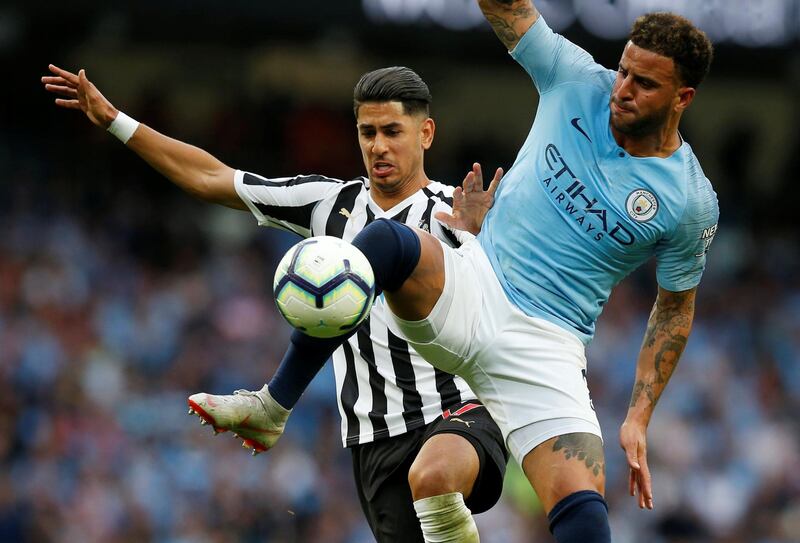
(603, 183)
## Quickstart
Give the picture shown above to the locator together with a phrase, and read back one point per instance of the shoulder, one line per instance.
(701, 199)
(553, 61)
(361, 183)
(694, 203)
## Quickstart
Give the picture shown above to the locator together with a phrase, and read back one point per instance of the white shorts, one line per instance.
(529, 373)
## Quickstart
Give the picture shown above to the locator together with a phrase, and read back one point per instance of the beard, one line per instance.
(641, 125)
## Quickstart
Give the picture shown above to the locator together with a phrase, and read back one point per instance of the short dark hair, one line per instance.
(675, 37)
(393, 84)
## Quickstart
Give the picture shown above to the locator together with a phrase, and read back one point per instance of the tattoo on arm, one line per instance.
(503, 30)
(586, 448)
(667, 333)
(504, 16)
(639, 388)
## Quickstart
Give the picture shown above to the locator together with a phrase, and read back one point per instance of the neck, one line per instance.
(387, 198)
(661, 143)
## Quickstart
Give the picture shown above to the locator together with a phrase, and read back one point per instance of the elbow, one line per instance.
(218, 187)
(197, 185)
(204, 187)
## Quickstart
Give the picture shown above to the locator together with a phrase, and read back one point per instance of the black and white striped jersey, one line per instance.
(384, 388)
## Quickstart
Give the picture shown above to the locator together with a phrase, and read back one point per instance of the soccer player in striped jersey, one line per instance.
(418, 436)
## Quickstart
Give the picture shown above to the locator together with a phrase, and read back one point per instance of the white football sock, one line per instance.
(445, 519)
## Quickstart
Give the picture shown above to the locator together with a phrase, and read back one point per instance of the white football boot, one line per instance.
(254, 416)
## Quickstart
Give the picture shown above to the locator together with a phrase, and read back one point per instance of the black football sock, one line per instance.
(581, 517)
(303, 359)
(393, 251)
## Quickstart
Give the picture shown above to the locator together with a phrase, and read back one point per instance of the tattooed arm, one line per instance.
(510, 19)
(667, 331)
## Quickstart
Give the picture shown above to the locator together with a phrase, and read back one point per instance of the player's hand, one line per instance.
(80, 93)
(633, 439)
(470, 202)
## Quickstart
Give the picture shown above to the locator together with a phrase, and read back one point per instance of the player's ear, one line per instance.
(685, 97)
(427, 130)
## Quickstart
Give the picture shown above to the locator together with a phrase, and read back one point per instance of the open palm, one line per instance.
(80, 94)
(470, 202)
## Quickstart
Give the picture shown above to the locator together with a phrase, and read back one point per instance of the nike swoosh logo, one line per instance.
(578, 127)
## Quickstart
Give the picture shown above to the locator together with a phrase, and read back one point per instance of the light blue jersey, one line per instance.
(575, 213)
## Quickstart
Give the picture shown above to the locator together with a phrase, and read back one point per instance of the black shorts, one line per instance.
(381, 471)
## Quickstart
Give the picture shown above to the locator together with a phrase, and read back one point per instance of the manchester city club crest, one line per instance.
(642, 205)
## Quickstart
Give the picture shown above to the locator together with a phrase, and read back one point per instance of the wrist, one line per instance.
(638, 416)
(122, 127)
(110, 116)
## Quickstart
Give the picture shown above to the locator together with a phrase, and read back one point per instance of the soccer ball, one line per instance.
(324, 286)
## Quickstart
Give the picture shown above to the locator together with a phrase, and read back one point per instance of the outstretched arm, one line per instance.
(192, 169)
(667, 332)
(510, 19)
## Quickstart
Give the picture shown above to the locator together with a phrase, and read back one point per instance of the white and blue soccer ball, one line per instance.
(324, 286)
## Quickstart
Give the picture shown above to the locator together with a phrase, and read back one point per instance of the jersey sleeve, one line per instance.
(681, 258)
(551, 59)
(287, 203)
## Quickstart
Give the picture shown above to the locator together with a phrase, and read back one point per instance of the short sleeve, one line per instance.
(681, 258)
(551, 59)
(287, 203)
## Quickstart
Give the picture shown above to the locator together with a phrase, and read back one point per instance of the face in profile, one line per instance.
(646, 92)
(392, 144)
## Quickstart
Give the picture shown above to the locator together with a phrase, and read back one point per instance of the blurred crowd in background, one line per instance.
(120, 296)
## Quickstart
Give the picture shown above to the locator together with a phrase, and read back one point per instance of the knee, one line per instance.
(431, 479)
(393, 250)
(576, 482)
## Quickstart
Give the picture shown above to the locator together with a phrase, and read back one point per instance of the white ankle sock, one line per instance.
(445, 519)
